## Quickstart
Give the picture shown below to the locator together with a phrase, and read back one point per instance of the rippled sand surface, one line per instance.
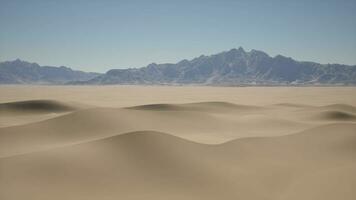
(143, 142)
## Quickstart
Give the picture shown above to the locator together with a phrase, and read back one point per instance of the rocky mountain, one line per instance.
(234, 67)
(230, 68)
(21, 72)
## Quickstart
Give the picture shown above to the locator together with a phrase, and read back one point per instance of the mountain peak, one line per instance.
(18, 61)
(280, 57)
(152, 65)
(258, 52)
(239, 50)
(183, 62)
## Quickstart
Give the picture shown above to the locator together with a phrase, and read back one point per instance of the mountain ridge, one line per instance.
(235, 67)
(22, 72)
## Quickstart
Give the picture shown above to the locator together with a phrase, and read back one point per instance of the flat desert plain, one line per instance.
(145, 142)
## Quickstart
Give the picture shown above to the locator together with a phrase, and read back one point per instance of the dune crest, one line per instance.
(35, 106)
(32, 111)
(337, 115)
(198, 107)
(340, 107)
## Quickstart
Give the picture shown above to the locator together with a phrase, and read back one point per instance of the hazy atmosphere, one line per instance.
(177, 100)
(101, 35)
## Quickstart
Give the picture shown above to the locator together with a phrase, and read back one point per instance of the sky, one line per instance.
(97, 35)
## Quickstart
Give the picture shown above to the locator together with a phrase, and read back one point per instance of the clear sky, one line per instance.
(101, 34)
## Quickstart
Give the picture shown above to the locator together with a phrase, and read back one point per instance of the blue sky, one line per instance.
(99, 35)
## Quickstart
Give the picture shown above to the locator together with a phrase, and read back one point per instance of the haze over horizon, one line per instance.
(97, 36)
(196, 99)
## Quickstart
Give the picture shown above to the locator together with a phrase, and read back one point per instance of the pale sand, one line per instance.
(131, 142)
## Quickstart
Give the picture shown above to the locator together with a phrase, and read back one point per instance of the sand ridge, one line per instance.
(35, 106)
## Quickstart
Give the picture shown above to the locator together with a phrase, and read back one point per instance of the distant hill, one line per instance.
(234, 67)
(21, 72)
(230, 68)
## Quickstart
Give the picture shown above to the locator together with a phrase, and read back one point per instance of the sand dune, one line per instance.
(198, 107)
(24, 112)
(339, 107)
(155, 165)
(333, 112)
(337, 115)
(205, 122)
(195, 147)
(35, 106)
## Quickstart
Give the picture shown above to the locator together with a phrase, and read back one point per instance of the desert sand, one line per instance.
(156, 142)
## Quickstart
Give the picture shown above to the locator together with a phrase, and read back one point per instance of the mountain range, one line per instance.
(22, 72)
(230, 68)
